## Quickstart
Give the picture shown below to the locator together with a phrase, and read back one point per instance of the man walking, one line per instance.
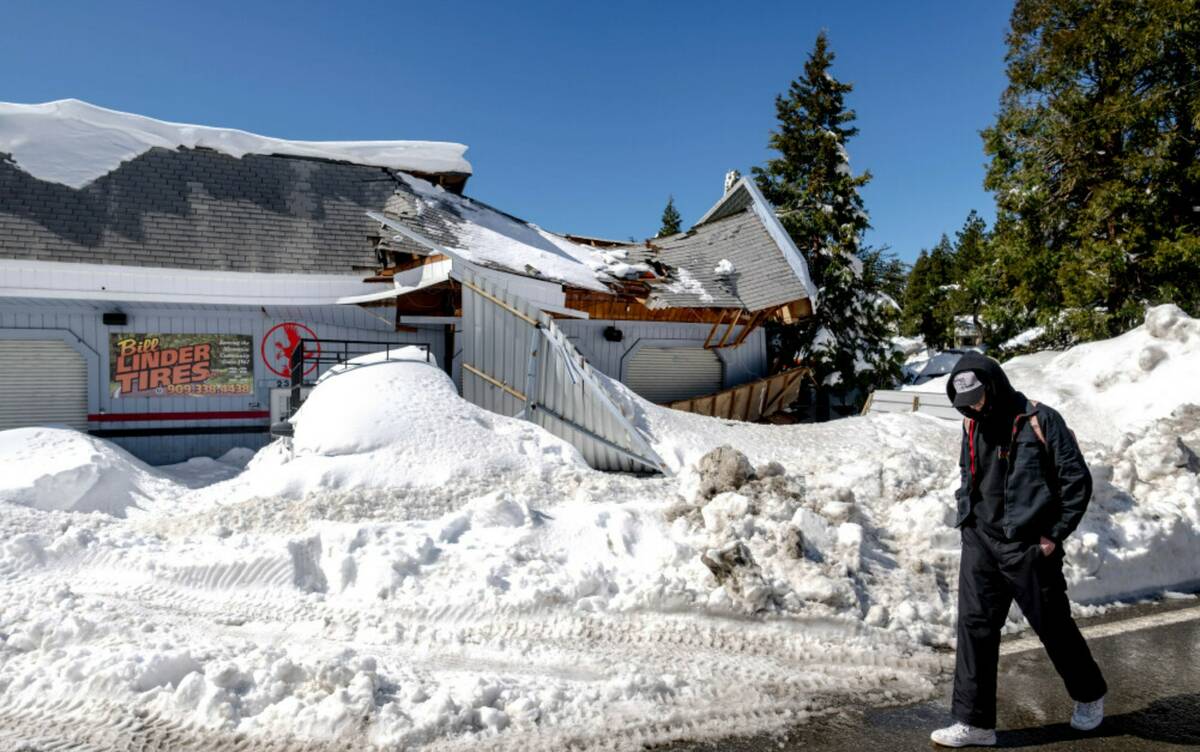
(1025, 487)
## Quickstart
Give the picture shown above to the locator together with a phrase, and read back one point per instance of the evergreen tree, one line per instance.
(670, 219)
(929, 301)
(809, 181)
(1095, 161)
(972, 275)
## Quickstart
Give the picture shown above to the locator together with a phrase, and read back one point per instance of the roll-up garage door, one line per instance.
(666, 374)
(42, 382)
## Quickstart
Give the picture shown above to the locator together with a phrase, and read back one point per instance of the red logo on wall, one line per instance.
(281, 341)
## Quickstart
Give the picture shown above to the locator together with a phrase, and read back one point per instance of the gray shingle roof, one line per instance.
(761, 279)
(200, 209)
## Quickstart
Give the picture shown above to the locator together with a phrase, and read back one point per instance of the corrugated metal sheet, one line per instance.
(666, 374)
(746, 362)
(516, 361)
(42, 382)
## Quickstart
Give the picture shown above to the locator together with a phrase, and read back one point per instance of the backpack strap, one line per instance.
(969, 427)
(1036, 426)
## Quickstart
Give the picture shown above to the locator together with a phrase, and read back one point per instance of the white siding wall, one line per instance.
(746, 362)
(80, 322)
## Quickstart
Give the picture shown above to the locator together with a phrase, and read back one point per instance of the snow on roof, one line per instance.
(73, 143)
(491, 238)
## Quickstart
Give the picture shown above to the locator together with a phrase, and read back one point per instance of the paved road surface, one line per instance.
(1153, 673)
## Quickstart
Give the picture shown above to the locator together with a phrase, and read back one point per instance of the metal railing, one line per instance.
(311, 354)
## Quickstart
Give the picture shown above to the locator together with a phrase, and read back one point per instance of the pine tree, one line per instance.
(847, 340)
(972, 275)
(670, 219)
(1095, 161)
(929, 302)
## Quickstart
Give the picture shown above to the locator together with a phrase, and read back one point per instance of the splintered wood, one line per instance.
(749, 402)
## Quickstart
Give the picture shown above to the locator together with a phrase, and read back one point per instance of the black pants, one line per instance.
(992, 573)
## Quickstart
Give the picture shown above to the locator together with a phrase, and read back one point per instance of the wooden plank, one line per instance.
(788, 378)
(494, 382)
(483, 293)
(867, 406)
(729, 330)
(749, 327)
(723, 405)
(716, 325)
(758, 397)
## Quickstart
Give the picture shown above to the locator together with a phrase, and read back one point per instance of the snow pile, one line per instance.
(198, 472)
(392, 424)
(1108, 387)
(73, 143)
(63, 469)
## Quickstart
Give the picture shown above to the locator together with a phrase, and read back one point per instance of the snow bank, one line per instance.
(1108, 387)
(63, 469)
(73, 143)
(392, 424)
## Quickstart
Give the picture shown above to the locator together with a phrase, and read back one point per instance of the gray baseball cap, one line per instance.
(967, 389)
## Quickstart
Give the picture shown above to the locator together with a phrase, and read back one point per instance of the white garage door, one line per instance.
(42, 382)
(666, 374)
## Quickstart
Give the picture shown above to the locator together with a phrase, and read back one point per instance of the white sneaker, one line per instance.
(1087, 715)
(964, 735)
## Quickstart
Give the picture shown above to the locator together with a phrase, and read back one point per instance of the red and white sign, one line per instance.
(281, 341)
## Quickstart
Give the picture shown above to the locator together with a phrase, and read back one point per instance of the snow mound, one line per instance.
(1109, 387)
(65, 470)
(388, 424)
(73, 143)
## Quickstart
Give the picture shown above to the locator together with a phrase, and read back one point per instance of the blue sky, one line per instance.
(580, 117)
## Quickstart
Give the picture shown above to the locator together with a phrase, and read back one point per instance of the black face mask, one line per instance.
(988, 405)
(971, 412)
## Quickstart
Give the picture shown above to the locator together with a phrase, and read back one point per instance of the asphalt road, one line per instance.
(1153, 673)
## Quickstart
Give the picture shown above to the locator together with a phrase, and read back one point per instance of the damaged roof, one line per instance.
(760, 268)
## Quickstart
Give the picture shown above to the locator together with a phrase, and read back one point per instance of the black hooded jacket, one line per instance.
(1015, 485)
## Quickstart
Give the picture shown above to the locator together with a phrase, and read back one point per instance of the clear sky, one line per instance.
(581, 117)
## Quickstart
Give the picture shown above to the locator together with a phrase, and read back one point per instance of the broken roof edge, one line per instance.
(766, 214)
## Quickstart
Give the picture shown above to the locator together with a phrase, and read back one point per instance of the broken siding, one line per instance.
(516, 361)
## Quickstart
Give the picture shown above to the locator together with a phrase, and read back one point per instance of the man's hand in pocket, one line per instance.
(1047, 546)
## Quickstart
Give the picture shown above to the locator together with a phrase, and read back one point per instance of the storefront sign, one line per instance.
(180, 365)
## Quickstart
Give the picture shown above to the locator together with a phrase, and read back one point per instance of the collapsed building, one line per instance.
(129, 245)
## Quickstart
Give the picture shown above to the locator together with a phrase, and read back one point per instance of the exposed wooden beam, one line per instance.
(716, 325)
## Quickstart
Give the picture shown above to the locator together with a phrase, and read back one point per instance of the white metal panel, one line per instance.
(42, 382)
(666, 374)
(517, 362)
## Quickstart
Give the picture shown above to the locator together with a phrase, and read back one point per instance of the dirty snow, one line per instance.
(412, 571)
(74, 143)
